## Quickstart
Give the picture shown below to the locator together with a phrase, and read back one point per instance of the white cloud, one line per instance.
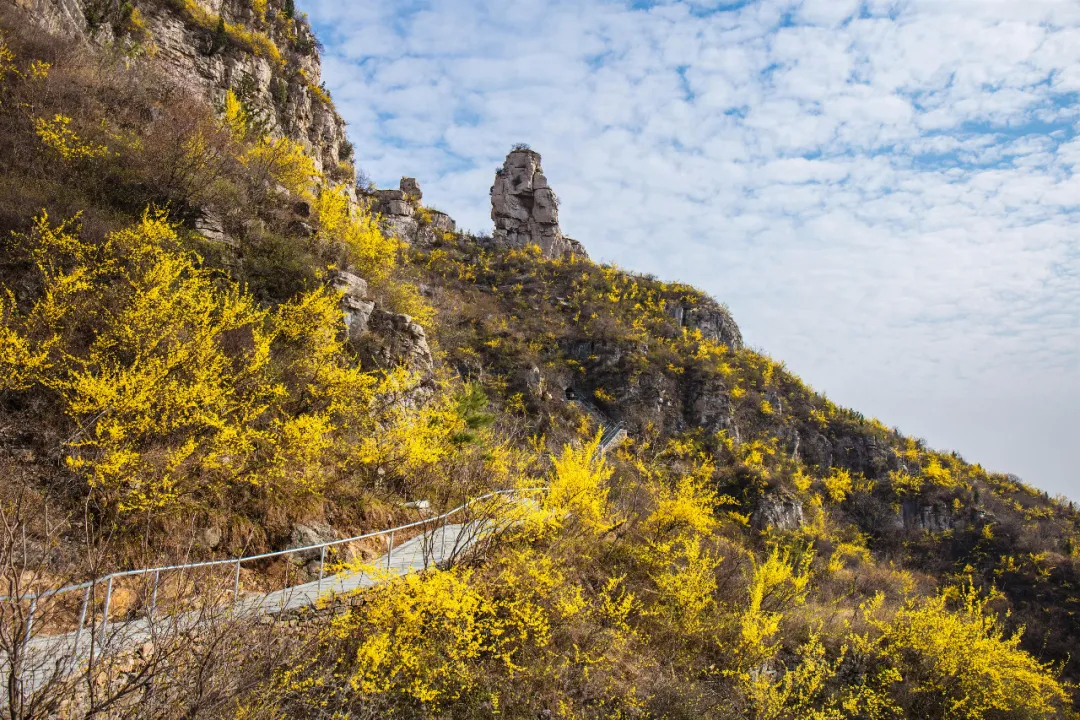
(884, 191)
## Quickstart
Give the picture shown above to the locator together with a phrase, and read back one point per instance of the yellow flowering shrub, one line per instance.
(370, 252)
(421, 637)
(579, 484)
(686, 582)
(286, 162)
(20, 362)
(281, 160)
(691, 504)
(960, 663)
(57, 135)
(777, 581)
(184, 386)
(838, 484)
(810, 690)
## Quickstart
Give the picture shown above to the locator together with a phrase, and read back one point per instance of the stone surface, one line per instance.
(303, 535)
(410, 187)
(402, 215)
(399, 340)
(712, 319)
(210, 537)
(779, 511)
(356, 309)
(286, 101)
(212, 228)
(524, 207)
(932, 517)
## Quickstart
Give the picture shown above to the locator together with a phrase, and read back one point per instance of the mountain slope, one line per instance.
(216, 340)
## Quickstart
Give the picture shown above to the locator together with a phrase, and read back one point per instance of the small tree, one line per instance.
(289, 10)
(220, 38)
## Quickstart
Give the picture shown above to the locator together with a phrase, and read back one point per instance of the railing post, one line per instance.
(78, 633)
(442, 551)
(105, 615)
(236, 583)
(390, 552)
(322, 564)
(153, 596)
(29, 625)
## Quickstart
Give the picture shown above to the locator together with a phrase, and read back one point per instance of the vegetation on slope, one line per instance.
(153, 381)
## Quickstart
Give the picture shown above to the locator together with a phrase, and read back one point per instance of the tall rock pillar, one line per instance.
(524, 208)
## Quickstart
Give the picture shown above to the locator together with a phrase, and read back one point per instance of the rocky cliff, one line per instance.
(268, 59)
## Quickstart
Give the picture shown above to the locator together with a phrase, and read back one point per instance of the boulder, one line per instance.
(307, 534)
(210, 537)
(400, 340)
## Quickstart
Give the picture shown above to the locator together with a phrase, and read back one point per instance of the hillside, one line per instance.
(215, 340)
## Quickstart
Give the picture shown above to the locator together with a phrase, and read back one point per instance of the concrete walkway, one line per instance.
(53, 656)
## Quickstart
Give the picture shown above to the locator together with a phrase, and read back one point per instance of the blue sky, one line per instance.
(885, 192)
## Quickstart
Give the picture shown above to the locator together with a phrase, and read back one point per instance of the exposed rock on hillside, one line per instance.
(398, 339)
(401, 214)
(284, 92)
(354, 303)
(923, 516)
(778, 511)
(525, 209)
(714, 322)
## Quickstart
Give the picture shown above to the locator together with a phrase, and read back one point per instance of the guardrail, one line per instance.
(611, 431)
(89, 586)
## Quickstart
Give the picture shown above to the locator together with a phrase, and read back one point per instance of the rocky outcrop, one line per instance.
(65, 17)
(707, 403)
(713, 320)
(524, 208)
(355, 306)
(931, 517)
(401, 214)
(284, 94)
(779, 511)
(398, 339)
(383, 338)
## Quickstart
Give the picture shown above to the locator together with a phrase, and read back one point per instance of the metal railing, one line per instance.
(612, 434)
(610, 430)
(90, 586)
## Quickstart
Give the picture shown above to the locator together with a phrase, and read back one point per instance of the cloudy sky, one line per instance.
(886, 193)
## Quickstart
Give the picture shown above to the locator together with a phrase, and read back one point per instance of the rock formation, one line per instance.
(401, 214)
(524, 208)
(779, 511)
(289, 101)
(931, 517)
(713, 320)
(384, 338)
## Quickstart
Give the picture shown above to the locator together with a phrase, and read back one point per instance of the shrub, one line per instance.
(961, 664)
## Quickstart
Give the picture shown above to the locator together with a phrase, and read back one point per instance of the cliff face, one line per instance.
(270, 61)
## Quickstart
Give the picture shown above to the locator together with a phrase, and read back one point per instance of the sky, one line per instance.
(885, 193)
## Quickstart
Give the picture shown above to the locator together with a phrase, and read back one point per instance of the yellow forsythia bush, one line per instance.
(177, 385)
(961, 663)
(370, 252)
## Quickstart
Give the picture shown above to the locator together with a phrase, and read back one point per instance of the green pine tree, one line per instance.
(220, 38)
(290, 9)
